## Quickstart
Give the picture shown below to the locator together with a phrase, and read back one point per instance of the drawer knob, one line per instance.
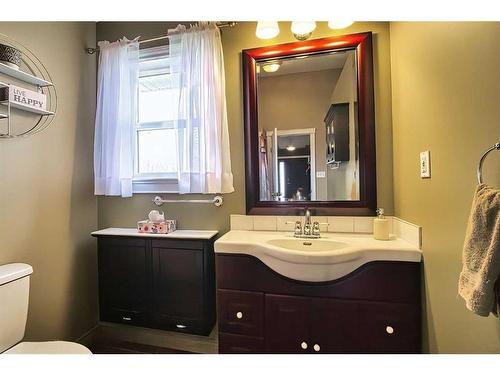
(239, 315)
(316, 348)
(303, 345)
(389, 330)
(180, 326)
(126, 318)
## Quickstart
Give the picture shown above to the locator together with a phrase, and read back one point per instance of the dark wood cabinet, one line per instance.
(157, 283)
(124, 281)
(334, 326)
(375, 309)
(389, 328)
(337, 133)
(287, 323)
(241, 312)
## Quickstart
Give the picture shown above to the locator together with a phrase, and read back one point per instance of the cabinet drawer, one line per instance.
(178, 244)
(234, 344)
(389, 328)
(180, 324)
(131, 317)
(121, 241)
(241, 312)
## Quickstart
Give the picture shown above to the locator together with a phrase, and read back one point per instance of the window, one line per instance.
(155, 161)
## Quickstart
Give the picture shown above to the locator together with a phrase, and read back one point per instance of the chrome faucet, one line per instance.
(307, 222)
(307, 229)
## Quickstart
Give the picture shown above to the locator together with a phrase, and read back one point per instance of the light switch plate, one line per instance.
(320, 174)
(425, 164)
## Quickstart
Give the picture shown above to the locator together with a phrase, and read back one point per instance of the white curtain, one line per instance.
(203, 139)
(115, 117)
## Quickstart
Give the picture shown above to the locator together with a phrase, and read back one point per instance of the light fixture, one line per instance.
(267, 29)
(302, 30)
(290, 148)
(272, 66)
(340, 23)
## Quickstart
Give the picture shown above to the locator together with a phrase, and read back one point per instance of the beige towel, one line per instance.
(481, 254)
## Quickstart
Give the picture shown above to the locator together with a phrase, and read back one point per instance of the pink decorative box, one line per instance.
(162, 227)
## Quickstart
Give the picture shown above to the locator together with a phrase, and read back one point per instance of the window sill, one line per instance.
(154, 185)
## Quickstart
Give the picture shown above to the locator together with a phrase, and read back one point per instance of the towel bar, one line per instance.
(217, 201)
(496, 146)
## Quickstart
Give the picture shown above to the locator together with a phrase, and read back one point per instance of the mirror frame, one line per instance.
(367, 204)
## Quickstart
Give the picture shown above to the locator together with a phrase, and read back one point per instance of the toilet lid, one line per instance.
(48, 347)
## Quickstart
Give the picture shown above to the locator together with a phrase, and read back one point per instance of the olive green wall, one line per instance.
(47, 207)
(126, 211)
(445, 98)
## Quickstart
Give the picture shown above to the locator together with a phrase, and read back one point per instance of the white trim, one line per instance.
(294, 131)
(155, 185)
(151, 183)
(312, 152)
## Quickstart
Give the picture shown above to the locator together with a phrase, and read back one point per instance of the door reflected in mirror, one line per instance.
(308, 127)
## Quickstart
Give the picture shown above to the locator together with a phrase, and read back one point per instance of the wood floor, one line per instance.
(111, 346)
(112, 338)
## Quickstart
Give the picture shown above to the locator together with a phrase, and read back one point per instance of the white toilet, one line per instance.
(14, 297)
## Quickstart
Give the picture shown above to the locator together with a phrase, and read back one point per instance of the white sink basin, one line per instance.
(304, 244)
(331, 257)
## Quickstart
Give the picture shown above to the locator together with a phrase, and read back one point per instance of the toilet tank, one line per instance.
(14, 297)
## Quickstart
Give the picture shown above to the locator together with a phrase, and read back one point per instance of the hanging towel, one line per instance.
(481, 253)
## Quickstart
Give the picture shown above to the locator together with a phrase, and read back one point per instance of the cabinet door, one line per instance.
(124, 280)
(287, 324)
(334, 326)
(241, 312)
(389, 328)
(240, 344)
(178, 288)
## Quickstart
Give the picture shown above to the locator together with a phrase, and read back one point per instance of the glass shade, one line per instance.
(267, 29)
(303, 27)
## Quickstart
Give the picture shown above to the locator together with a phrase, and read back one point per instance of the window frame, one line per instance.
(143, 183)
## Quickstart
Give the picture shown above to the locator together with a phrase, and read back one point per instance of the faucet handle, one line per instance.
(297, 230)
(307, 229)
(315, 229)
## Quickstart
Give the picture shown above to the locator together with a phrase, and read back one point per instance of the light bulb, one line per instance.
(340, 23)
(271, 67)
(267, 29)
(303, 29)
(290, 148)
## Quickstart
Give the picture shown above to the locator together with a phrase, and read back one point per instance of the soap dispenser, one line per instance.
(381, 226)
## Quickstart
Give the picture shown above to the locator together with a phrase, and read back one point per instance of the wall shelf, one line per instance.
(23, 76)
(35, 86)
(27, 109)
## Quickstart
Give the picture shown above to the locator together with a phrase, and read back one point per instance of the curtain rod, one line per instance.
(220, 24)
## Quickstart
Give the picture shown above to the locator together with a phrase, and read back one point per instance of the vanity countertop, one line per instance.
(332, 256)
(178, 234)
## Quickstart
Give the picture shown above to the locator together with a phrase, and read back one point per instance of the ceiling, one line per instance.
(309, 63)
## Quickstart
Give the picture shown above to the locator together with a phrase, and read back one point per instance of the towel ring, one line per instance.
(496, 146)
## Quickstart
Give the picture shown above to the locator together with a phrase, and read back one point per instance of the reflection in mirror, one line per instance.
(308, 127)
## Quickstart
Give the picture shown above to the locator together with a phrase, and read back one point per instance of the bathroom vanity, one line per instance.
(369, 302)
(162, 281)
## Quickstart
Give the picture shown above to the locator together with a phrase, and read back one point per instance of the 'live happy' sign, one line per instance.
(27, 98)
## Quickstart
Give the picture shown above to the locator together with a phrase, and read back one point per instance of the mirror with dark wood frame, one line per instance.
(310, 127)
